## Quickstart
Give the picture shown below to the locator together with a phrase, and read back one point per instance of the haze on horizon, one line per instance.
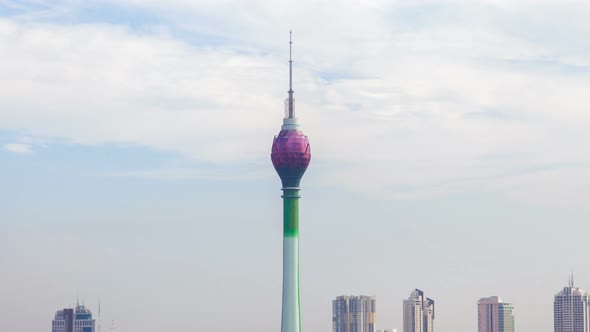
(449, 153)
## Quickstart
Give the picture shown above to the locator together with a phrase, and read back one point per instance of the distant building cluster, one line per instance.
(571, 313)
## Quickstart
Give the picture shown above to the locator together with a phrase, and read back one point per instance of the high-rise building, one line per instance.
(290, 157)
(353, 314)
(494, 315)
(418, 313)
(73, 320)
(571, 309)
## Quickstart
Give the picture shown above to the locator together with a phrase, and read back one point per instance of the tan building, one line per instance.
(494, 315)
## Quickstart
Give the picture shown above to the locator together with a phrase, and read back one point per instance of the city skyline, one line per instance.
(135, 137)
(351, 313)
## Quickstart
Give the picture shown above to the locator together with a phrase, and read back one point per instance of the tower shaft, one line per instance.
(291, 319)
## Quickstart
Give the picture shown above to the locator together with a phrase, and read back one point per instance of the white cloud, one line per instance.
(420, 105)
(18, 148)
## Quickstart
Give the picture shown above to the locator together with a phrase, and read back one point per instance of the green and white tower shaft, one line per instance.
(291, 319)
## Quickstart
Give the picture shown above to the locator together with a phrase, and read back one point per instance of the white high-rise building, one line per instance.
(571, 309)
(418, 313)
(493, 315)
(73, 320)
(353, 314)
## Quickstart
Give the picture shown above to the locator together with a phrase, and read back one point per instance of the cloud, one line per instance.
(424, 100)
(207, 174)
(18, 148)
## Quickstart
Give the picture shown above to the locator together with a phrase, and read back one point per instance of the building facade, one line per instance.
(353, 314)
(571, 309)
(73, 320)
(418, 313)
(494, 315)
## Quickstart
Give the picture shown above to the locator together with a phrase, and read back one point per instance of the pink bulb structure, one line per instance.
(290, 156)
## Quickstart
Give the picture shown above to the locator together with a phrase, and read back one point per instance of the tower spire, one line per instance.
(291, 110)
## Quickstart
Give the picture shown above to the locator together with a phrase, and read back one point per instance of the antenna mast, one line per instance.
(291, 111)
(99, 320)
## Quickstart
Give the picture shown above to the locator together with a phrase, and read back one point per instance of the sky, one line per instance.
(449, 153)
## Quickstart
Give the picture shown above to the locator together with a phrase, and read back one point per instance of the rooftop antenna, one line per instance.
(291, 111)
(572, 279)
(99, 320)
